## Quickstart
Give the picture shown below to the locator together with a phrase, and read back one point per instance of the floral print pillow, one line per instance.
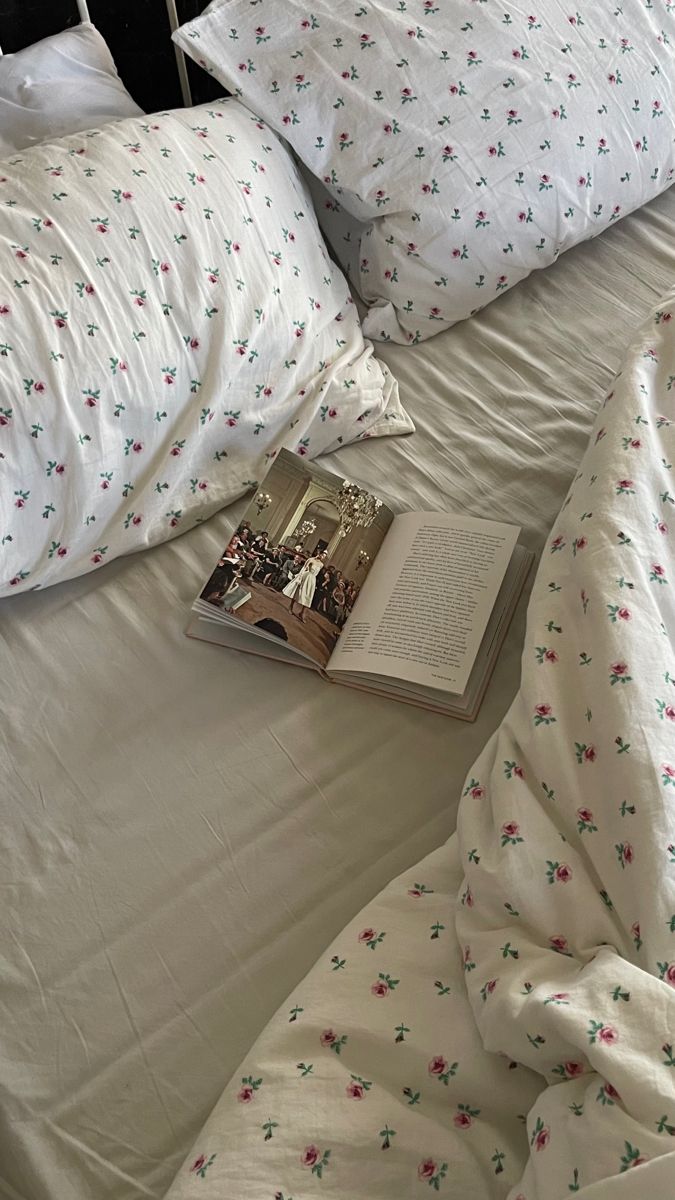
(169, 318)
(459, 146)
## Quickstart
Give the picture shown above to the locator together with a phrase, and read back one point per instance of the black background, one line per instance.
(137, 32)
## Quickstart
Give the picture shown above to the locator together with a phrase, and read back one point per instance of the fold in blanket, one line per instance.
(511, 1035)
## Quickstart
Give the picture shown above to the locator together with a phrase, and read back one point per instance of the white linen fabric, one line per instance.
(185, 829)
(169, 318)
(543, 990)
(63, 84)
(460, 149)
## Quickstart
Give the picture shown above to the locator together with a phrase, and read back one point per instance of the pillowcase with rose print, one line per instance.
(169, 318)
(456, 147)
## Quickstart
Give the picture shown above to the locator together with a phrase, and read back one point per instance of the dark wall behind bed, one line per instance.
(137, 32)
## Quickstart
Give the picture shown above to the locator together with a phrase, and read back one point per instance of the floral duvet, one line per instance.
(500, 1022)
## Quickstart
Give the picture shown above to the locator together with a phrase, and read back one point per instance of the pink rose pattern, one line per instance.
(150, 369)
(550, 988)
(455, 148)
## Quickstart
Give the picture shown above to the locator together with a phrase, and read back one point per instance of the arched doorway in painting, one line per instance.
(324, 516)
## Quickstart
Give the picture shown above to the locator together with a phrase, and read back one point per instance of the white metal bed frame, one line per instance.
(180, 57)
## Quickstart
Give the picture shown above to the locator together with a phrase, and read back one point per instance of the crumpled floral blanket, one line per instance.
(499, 1024)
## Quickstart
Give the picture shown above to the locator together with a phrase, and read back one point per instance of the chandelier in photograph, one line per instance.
(363, 559)
(356, 506)
(303, 531)
(262, 501)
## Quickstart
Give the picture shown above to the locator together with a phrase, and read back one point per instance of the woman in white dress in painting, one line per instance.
(300, 589)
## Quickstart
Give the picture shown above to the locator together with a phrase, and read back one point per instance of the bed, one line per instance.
(185, 829)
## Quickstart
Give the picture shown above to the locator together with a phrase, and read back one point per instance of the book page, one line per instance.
(428, 600)
(299, 558)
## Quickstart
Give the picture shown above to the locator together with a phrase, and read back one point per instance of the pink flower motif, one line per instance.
(127, 195)
(96, 558)
(40, 386)
(477, 793)
(332, 412)
(173, 522)
(625, 483)
(658, 570)
(367, 935)
(543, 1138)
(511, 829)
(231, 421)
(624, 614)
(573, 1069)
(462, 1120)
(355, 1091)
(581, 543)
(545, 178)
(661, 527)
(62, 551)
(427, 1169)
(563, 873)
(19, 502)
(105, 484)
(481, 215)
(139, 301)
(245, 1094)
(669, 712)
(559, 943)
(585, 814)
(169, 379)
(619, 668)
(328, 1037)
(137, 447)
(551, 656)
(668, 770)
(179, 207)
(411, 247)
(590, 754)
(198, 1163)
(202, 485)
(437, 1065)
(560, 995)
(627, 853)
(456, 253)
(453, 89)
(611, 1091)
(302, 450)
(669, 976)
(635, 929)
(60, 323)
(21, 254)
(137, 519)
(581, 181)
(492, 150)
(100, 228)
(175, 451)
(3, 419)
(635, 444)
(194, 343)
(387, 128)
(608, 1035)
(90, 290)
(543, 710)
(60, 469)
(310, 1155)
(380, 988)
(468, 898)
(5, 310)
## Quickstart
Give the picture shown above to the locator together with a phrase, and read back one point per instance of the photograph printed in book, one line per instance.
(297, 561)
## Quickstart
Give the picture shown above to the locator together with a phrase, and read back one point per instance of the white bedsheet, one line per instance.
(185, 829)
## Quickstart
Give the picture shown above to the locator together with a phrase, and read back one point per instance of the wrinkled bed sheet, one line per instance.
(185, 829)
(501, 1020)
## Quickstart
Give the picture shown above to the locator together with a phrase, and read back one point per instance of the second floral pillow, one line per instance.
(457, 147)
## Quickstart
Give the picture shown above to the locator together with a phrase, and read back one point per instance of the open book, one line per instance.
(321, 573)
